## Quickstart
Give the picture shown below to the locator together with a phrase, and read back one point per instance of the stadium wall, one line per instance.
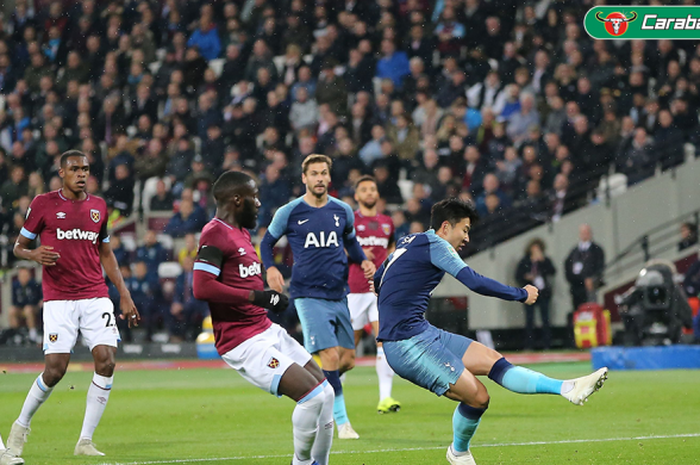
(615, 226)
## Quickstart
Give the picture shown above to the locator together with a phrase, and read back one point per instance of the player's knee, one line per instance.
(482, 400)
(105, 367)
(53, 374)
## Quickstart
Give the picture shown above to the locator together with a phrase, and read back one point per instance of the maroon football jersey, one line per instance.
(75, 229)
(375, 233)
(240, 268)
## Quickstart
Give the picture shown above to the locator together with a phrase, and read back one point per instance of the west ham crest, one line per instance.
(95, 215)
(386, 228)
(53, 337)
(273, 363)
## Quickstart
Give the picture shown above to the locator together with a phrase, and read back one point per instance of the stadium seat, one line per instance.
(166, 241)
(157, 221)
(617, 183)
(218, 66)
(169, 270)
(149, 190)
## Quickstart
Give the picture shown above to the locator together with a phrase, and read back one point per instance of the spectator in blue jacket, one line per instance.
(26, 297)
(393, 65)
(145, 292)
(189, 219)
(206, 39)
(152, 253)
(186, 312)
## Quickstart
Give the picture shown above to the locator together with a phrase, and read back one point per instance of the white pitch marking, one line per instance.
(409, 449)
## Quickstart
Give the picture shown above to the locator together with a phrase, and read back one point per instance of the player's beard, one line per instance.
(248, 217)
(319, 195)
(368, 205)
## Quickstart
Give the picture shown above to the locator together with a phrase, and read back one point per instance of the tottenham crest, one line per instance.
(95, 215)
(53, 337)
(273, 363)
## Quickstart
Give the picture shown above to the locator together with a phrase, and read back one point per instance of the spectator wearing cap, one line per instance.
(206, 39)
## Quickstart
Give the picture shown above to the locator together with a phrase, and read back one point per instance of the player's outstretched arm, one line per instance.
(43, 255)
(109, 262)
(274, 278)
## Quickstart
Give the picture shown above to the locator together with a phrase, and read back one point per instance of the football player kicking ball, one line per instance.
(228, 275)
(375, 233)
(445, 363)
(72, 225)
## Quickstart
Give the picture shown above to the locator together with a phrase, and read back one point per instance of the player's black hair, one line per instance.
(364, 178)
(227, 185)
(452, 210)
(70, 153)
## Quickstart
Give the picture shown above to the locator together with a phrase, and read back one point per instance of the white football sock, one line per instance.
(37, 395)
(324, 436)
(97, 397)
(305, 424)
(385, 375)
(2, 444)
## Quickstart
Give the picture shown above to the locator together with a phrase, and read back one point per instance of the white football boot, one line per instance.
(345, 431)
(86, 447)
(585, 386)
(461, 459)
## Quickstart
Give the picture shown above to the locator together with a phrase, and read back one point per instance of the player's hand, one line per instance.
(275, 279)
(532, 294)
(369, 269)
(272, 300)
(368, 253)
(129, 311)
(43, 255)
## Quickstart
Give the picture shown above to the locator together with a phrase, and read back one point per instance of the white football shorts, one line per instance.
(94, 318)
(363, 309)
(265, 357)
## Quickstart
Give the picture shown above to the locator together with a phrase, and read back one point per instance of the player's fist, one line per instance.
(272, 300)
(44, 255)
(368, 269)
(532, 294)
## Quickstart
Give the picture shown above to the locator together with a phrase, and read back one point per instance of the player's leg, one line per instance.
(99, 329)
(480, 360)
(60, 333)
(319, 321)
(346, 354)
(14, 317)
(384, 372)
(324, 436)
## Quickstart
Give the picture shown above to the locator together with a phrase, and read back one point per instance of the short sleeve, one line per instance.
(34, 222)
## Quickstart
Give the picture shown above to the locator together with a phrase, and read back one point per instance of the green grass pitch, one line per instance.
(214, 416)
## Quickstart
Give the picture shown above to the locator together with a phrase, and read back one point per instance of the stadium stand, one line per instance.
(430, 97)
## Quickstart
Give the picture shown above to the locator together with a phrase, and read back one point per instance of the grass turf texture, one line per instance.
(189, 416)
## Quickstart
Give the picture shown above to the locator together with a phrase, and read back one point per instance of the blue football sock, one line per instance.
(340, 415)
(522, 380)
(464, 423)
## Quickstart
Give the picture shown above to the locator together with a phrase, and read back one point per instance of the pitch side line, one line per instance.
(409, 449)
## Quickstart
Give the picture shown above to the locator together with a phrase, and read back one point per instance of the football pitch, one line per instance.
(213, 416)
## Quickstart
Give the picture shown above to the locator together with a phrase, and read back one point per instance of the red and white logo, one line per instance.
(95, 215)
(386, 229)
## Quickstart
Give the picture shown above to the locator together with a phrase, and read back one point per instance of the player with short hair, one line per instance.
(228, 275)
(375, 233)
(72, 225)
(320, 229)
(442, 362)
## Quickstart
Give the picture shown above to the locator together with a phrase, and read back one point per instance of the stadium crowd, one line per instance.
(507, 103)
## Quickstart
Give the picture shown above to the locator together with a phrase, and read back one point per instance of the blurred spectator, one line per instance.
(206, 39)
(121, 191)
(190, 218)
(638, 159)
(152, 253)
(689, 236)
(189, 249)
(120, 252)
(163, 199)
(491, 187)
(186, 312)
(26, 299)
(584, 268)
(536, 268)
(393, 64)
(145, 292)
(14, 188)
